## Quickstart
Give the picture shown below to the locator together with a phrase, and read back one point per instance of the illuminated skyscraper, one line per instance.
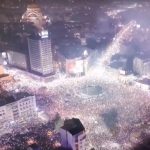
(40, 54)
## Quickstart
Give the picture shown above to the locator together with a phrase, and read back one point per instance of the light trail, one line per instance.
(115, 46)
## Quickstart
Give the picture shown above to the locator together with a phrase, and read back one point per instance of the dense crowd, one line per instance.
(44, 135)
(118, 116)
(117, 119)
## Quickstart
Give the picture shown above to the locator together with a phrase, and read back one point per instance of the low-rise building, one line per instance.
(73, 135)
(75, 63)
(17, 59)
(143, 84)
(17, 108)
(141, 66)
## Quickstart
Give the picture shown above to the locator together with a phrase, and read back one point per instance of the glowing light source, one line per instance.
(138, 26)
(44, 34)
(45, 17)
(4, 55)
(85, 53)
(12, 122)
(49, 133)
(17, 90)
(37, 109)
(5, 63)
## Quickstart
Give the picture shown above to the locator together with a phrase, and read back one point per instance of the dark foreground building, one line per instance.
(73, 135)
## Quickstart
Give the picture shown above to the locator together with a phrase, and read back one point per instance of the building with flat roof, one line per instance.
(143, 83)
(73, 59)
(40, 54)
(16, 108)
(17, 59)
(141, 65)
(73, 135)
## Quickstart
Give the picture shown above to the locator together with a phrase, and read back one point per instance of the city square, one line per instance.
(74, 75)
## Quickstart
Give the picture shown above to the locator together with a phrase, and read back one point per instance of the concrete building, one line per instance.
(17, 59)
(144, 84)
(15, 53)
(40, 54)
(73, 60)
(16, 108)
(72, 66)
(141, 66)
(73, 135)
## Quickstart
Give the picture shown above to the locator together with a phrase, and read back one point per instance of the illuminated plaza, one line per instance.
(112, 103)
(115, 119)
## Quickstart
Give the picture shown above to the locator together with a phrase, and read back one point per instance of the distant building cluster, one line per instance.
(33, 14)
(34, 50)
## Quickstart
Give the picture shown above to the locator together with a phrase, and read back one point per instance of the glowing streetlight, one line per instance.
(85, 53)
(138, 26)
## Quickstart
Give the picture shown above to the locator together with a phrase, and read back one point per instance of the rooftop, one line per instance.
(3, 75)
(7, 99)
(74, 126)
(37, 37)
(21, 95)
(34, 147)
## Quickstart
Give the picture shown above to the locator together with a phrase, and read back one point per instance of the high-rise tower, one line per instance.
(40, 54)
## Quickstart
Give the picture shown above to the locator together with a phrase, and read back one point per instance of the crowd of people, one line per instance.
(119, 115)
(116, 119)
(43, 135)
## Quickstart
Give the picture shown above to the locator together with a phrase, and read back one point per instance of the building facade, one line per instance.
(17, 108)
(141, 66)
(72, 66)
(73, 135)
(17, 59)
(40, 54)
